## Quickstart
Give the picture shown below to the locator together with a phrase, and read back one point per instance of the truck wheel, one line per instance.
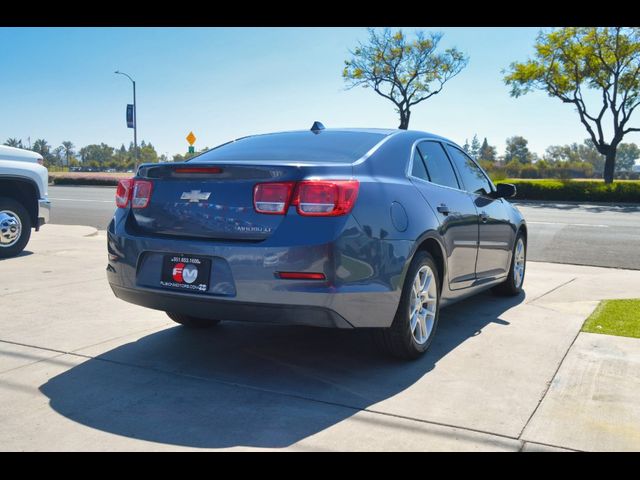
(15, 227)
(192, 322)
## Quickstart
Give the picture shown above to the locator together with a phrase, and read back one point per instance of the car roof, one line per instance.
(384, 132)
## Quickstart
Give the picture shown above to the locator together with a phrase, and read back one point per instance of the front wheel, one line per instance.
(192, 322)
(15, 227)
(414, 325)
(513, 284)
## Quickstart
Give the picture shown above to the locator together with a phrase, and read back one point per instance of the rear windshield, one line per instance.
(327, 146)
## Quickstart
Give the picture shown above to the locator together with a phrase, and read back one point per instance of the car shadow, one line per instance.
(243, 384)
(24, 253)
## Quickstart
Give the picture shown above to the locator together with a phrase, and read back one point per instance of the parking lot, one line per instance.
(81, 370)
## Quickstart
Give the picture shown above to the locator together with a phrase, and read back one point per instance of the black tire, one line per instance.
(192, 322)
(20, 212)
(508, 288)
(398, 339)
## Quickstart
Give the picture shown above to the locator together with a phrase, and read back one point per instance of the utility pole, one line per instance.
(135, 118)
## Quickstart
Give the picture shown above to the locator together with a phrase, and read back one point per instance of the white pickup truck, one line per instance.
(23, 198)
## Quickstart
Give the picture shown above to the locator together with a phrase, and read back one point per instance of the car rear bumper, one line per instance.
(363, 282)
(219, 309)
(44, 211)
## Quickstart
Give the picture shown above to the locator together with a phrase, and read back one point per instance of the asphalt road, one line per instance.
(606, 236)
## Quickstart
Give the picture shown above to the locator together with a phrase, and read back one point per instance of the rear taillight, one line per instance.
(313, 198)
(141, 193)
(322, 198)
(138, 192)
(272, 198)
(123, 192)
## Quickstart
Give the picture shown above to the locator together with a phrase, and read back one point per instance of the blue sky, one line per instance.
(223, 83)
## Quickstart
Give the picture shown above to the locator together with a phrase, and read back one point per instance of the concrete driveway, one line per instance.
(81, 370)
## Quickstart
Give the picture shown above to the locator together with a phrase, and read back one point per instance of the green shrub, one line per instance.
(579, 191)
(85, 180)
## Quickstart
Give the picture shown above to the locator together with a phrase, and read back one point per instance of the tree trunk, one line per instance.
(404, 119)
(609, 165)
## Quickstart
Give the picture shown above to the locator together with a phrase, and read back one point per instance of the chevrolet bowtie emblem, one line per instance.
(194, 196)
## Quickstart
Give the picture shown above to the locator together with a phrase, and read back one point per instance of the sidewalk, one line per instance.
(81, 370)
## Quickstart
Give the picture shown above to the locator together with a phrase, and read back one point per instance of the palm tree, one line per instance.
(68, 150)
(13, 142)
(41, 146)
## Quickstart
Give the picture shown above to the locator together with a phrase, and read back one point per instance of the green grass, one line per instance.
(615, 317)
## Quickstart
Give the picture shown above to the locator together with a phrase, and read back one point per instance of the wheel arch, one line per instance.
(23, 190)
(431, 243)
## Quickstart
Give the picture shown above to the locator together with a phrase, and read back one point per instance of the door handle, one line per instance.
(443, 209)
(484, 217)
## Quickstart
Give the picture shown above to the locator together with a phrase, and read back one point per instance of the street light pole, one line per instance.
(135, 118)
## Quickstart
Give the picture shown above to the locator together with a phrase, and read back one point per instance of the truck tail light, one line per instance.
(136, 192)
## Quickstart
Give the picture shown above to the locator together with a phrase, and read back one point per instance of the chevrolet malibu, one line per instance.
(342, 228)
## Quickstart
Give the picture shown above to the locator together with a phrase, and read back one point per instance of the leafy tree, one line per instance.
(96, 155)
(487, 152)
(474, 151)
(517, 150)
(148, 153)
(569, 61)
(628, 153)
(466, 147)
(14, 142)
(573, 153)
(405, 72)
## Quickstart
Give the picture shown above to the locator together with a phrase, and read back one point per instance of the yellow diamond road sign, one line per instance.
(191, 138)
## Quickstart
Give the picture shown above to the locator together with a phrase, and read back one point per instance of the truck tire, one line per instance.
(15, 227)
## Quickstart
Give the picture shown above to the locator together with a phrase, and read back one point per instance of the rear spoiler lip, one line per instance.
(146, 168)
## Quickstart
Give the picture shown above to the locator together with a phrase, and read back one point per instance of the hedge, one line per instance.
(578, 191)
(85, 180)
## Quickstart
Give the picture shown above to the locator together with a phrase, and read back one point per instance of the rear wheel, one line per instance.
(192, 322)
(414, 325)
(15, 227)
(513, 284)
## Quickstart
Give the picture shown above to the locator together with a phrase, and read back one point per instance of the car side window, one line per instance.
(418, 169)
(438, 165)
(474, 179)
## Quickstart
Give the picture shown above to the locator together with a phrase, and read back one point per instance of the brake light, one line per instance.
(138, 192)
(123, 192)
(198, 170)
(272, 198)
(141, 193)
(325, 198)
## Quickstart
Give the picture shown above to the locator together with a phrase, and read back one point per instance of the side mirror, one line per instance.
(505, 190)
